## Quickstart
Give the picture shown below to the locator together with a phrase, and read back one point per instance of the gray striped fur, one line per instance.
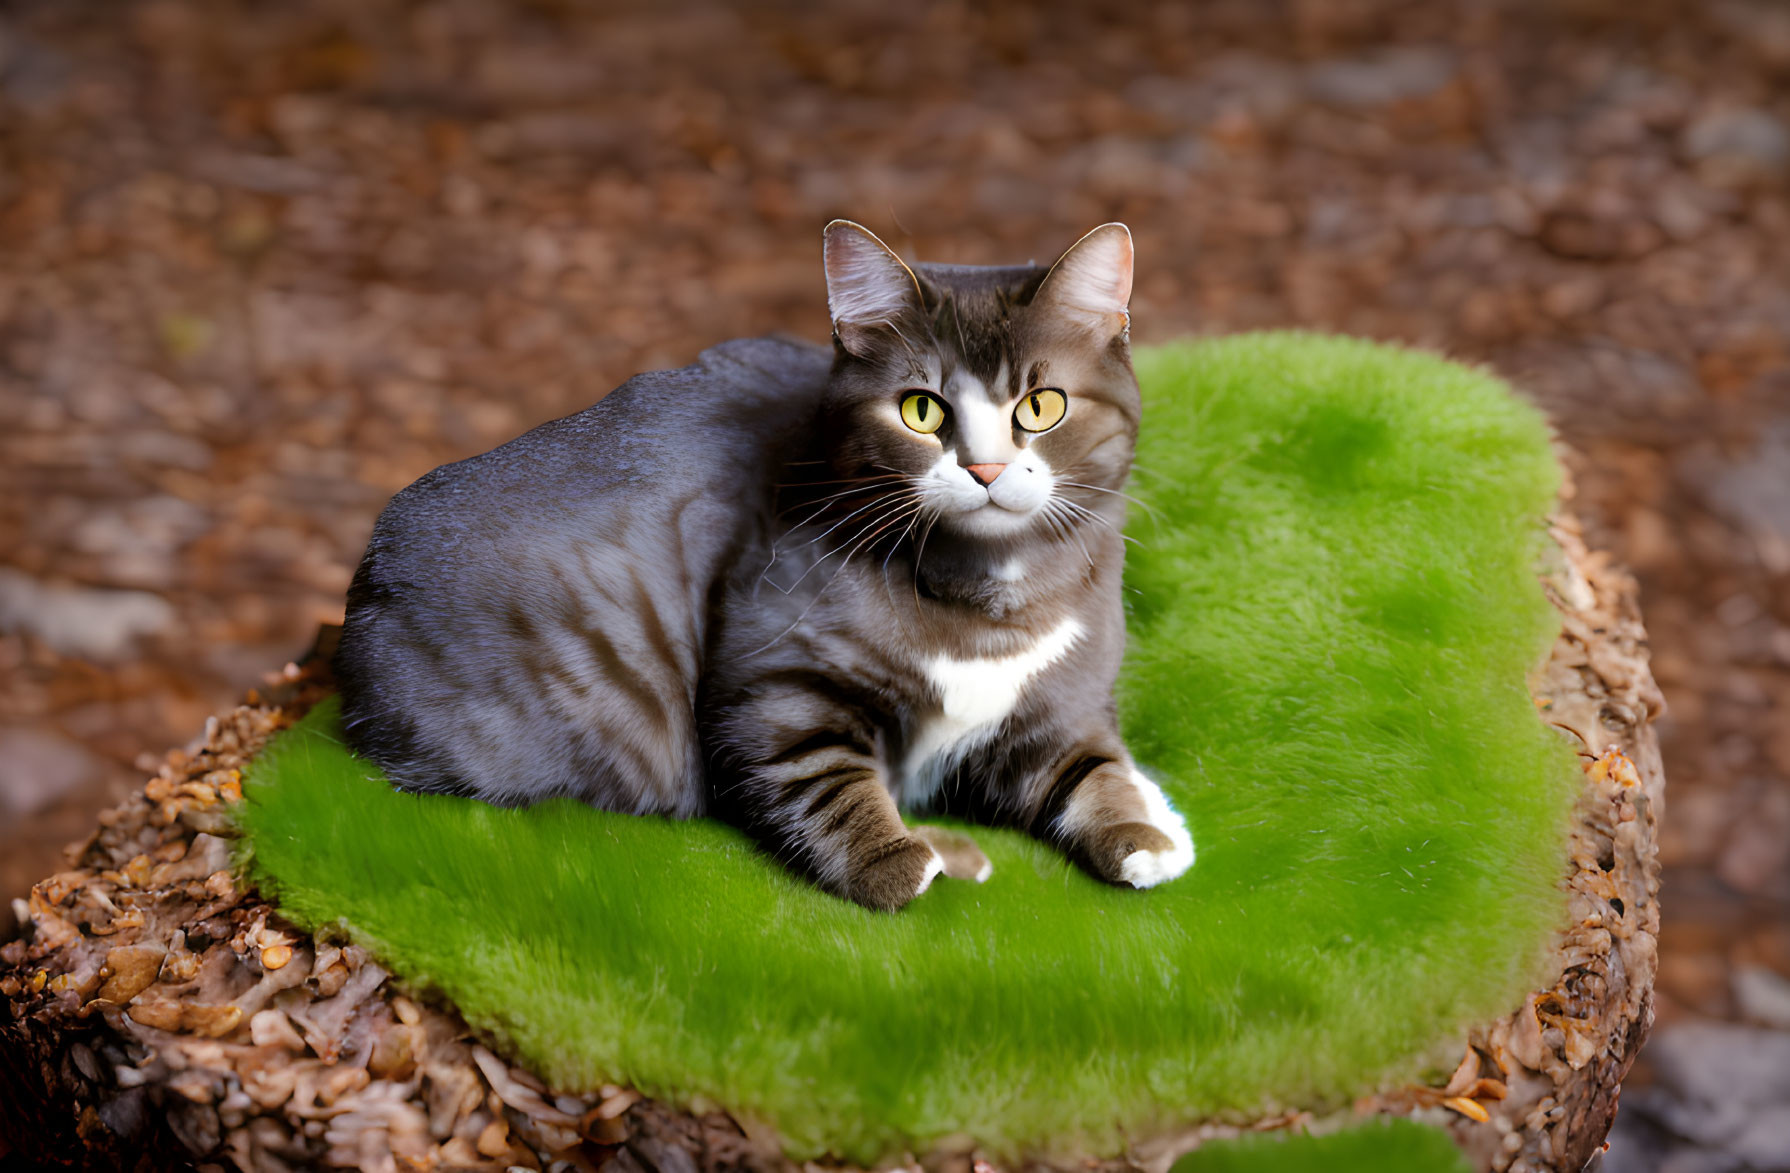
(746, 588)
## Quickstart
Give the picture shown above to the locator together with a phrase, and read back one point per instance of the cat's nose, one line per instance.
(984, 473)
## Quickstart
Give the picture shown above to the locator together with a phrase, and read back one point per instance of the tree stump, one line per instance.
(158, 1012)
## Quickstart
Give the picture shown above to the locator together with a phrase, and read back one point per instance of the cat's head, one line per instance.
(996, 402)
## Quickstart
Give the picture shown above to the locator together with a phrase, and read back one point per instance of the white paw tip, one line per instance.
(934, 866)
(983, 872)
(1146, 869)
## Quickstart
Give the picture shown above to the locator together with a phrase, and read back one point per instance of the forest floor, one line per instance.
(262, 265)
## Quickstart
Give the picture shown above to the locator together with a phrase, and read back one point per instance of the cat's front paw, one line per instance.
(896, 875)
(1150, 866)
(1171, 852)
(1124, 830)
(1133, 853)
(964, 860)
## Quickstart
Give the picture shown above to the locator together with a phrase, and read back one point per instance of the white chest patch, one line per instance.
(975, 697)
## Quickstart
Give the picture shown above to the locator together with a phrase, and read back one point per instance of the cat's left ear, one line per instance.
(868, 286)
(1091, 283)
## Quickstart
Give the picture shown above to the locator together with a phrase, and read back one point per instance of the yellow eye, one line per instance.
(1041, 410)
(922, 413)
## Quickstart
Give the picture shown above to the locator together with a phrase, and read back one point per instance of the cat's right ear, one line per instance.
(1091, 283)
(868, 286)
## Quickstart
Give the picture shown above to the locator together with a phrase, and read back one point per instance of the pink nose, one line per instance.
(985, 473)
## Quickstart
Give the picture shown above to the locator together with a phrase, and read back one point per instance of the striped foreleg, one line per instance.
(817, 789)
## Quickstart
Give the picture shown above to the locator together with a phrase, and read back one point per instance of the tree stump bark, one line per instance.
(158, 1013)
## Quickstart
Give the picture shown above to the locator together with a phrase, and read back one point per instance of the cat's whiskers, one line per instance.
(1144, 505)
(919, 493)
(1060, 525)
(897, 505)
(883, 571)
(1049, 520)
(848, 517)
(923, 514)
(913, 507)
(930, 519)
(883, 528)
(1091, 515)
(863, 484)
(823, 503)
(834, 481)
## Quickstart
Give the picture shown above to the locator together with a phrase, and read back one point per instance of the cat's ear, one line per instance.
(1091, 283)
(868, 287)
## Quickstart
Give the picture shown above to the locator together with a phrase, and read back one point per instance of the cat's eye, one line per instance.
(1041, 410)
(922, 413)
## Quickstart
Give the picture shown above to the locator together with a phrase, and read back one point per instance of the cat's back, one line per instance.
(659, 435)
(530, 621)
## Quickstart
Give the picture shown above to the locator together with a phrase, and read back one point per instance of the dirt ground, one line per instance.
(262, 265)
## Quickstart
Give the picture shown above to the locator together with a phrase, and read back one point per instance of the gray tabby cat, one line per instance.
(798, 589)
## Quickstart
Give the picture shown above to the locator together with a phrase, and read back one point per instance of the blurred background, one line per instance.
(262, 265)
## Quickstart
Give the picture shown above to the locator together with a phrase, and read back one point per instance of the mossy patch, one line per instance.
(1333, 607)
(1391, 1146)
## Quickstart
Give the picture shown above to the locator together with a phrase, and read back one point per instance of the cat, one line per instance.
(799, 588)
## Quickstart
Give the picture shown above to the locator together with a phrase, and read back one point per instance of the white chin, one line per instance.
(991, 520)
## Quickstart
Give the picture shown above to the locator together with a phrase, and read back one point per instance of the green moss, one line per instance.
(1334, 605)
(1392, 1146)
